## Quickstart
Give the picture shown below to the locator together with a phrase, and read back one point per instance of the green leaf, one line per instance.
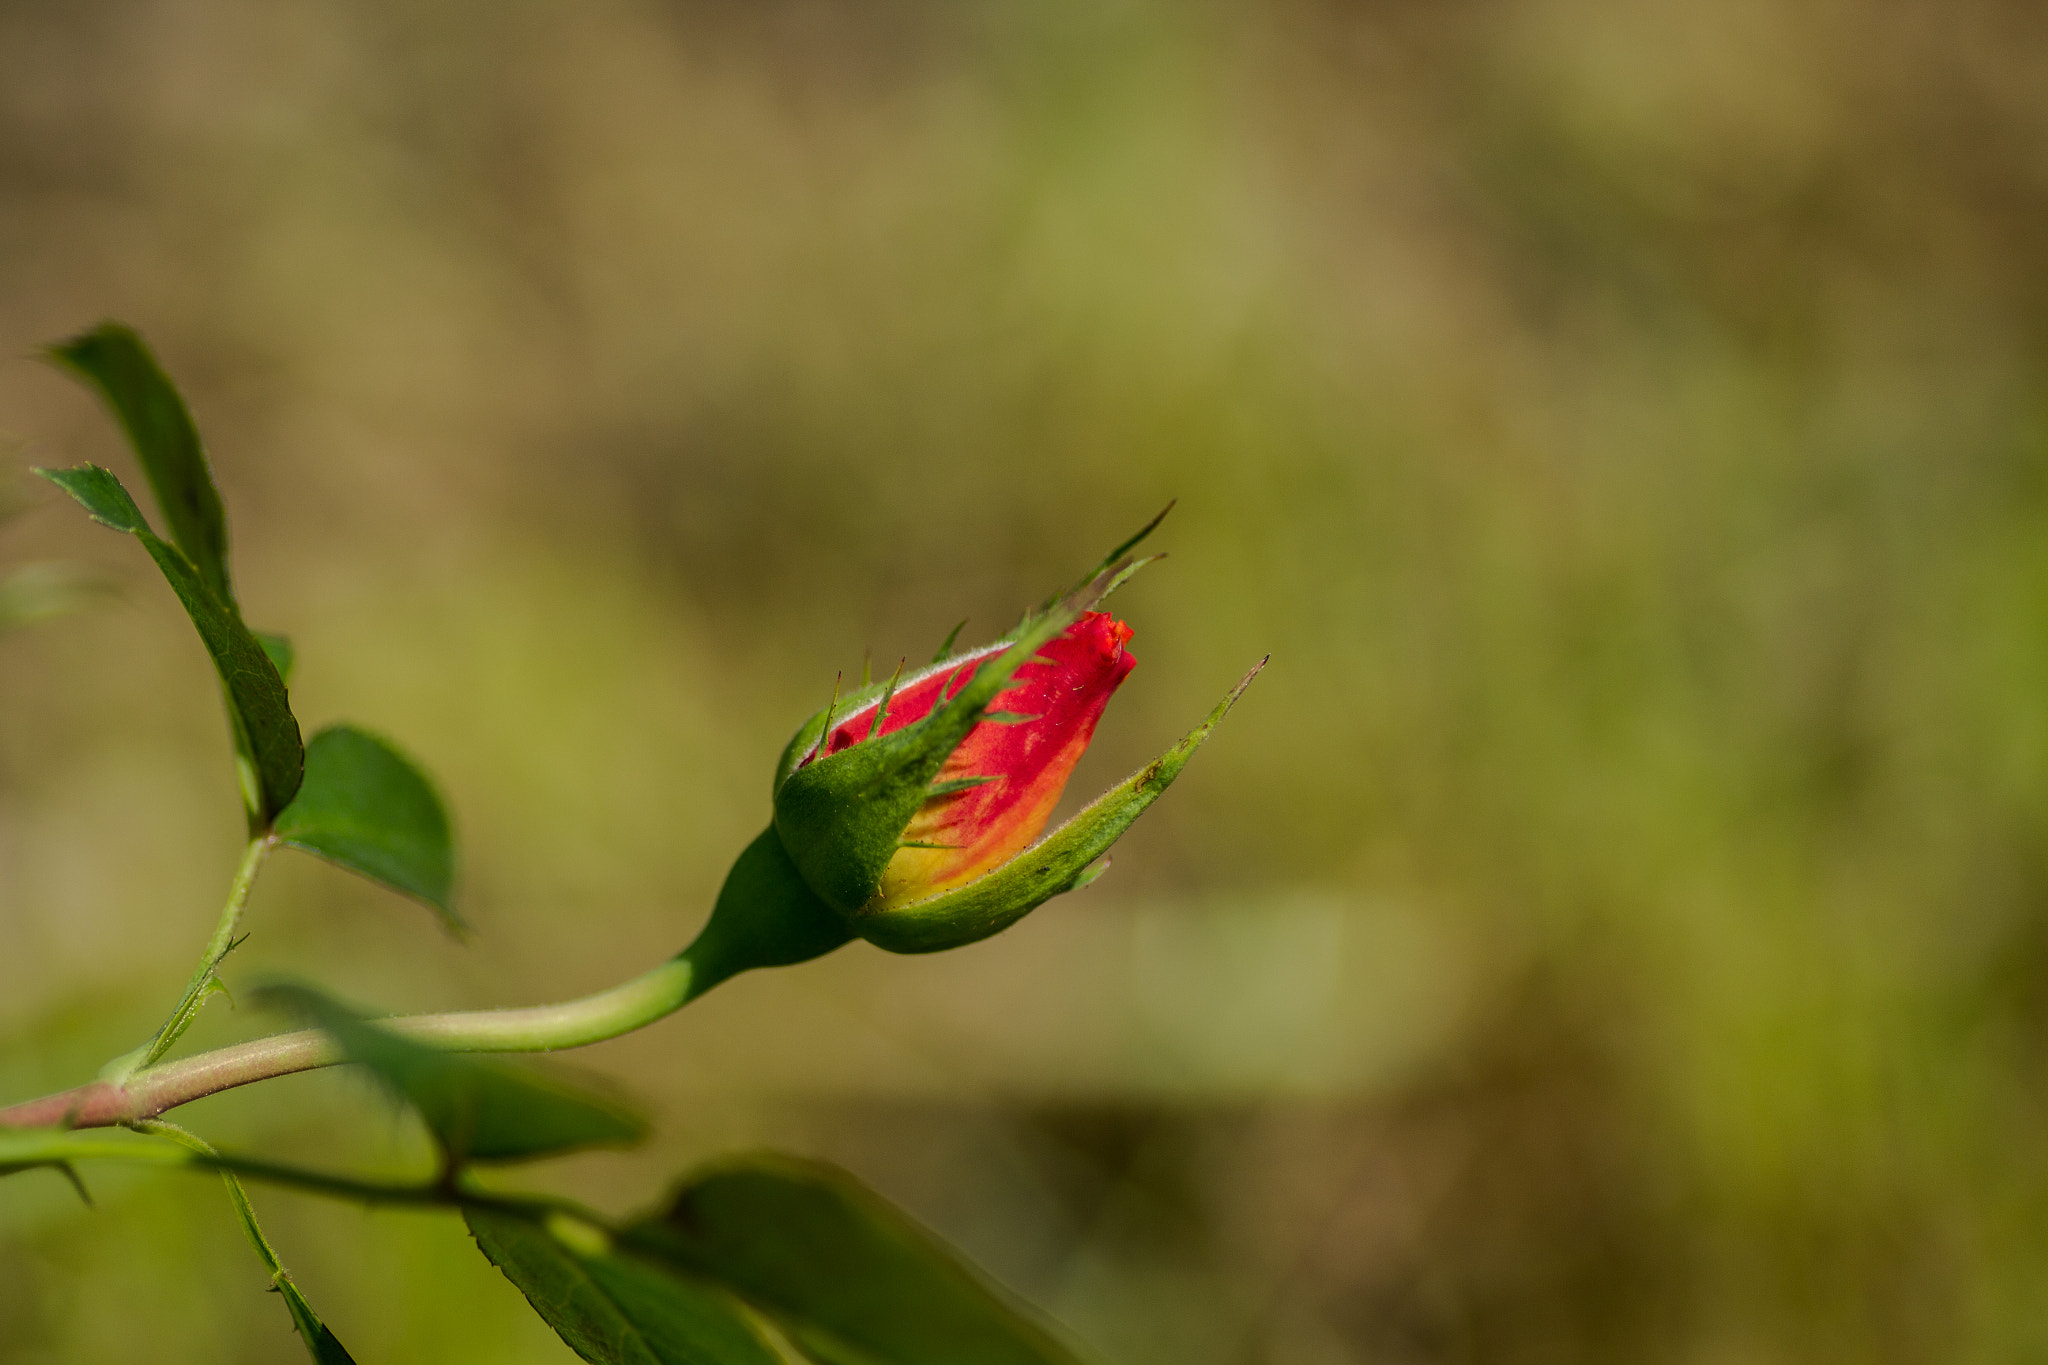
(846, 1277)
(101, 495)
(1059, 862)
(112, 359)
(266, 733)
(365, 807)
(479, 1109)
(613, 1310)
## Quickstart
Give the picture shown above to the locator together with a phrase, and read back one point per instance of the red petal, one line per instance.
(1063, 690)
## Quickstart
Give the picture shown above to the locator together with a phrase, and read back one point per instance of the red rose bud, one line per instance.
(844, 815)
(996, 791)
(906, 814)
(911, 809)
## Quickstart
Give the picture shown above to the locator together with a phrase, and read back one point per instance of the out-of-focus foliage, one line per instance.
(1616, 927)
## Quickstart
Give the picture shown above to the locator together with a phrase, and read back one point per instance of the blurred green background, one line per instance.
(1614, 929)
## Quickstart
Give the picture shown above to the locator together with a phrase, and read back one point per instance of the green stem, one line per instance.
(764, 917)
(47, 1148)
(310, 1329)
(543, 1028)
(202, 983)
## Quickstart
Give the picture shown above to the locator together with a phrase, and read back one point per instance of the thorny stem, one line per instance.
(202, 982)
(544, 1028)
(194, 1153)
(238, 1197)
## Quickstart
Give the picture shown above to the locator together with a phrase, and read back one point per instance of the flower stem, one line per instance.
(764, 917)
(544, 1028)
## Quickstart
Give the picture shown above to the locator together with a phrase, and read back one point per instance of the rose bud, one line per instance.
(993, 795)
(905, 814)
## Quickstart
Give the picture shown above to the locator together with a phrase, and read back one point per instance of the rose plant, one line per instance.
(910, 813)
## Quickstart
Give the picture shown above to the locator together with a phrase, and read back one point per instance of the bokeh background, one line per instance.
(1614, 929)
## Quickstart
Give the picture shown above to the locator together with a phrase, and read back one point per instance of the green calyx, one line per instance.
(1090, 592)
(841, 817)
(1064, 860)
(765, 917)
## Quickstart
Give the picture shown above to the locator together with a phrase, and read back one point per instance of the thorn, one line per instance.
(71, 1174)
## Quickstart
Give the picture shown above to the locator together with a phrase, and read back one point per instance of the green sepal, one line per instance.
(841, 816)
(766, 916)
(1060, 862)
(1092, 591)
(266, 733)
(961, 784)
(1112, 573)
(478, 1109)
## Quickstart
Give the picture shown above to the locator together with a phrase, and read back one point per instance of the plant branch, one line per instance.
(543, 1028)
(202, 983)
(237, 1196)
(193, 1153)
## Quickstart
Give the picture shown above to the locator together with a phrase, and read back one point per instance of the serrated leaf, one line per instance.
(101, 495)
(612, 1310)
(478, 1108)
(846, 1276)
(266, 733)
(113, 360)
(365, 806)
